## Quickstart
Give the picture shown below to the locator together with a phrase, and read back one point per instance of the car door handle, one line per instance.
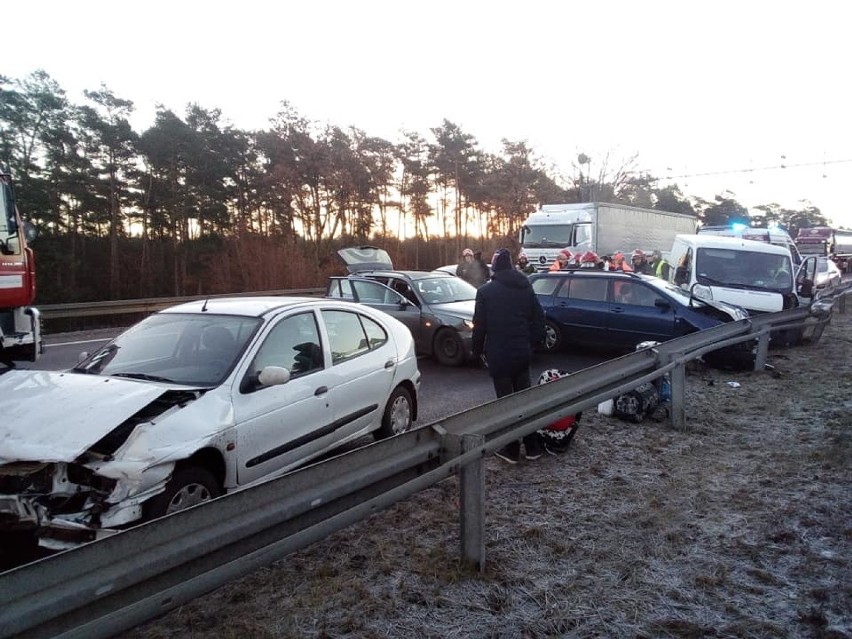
(322, 390)
(390, 363)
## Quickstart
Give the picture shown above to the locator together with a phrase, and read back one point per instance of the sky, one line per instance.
(718, 95)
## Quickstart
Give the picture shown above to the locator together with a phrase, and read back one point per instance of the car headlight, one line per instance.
(702, 292)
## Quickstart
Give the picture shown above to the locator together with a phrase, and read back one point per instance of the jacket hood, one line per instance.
(512, 278)
(52, 417)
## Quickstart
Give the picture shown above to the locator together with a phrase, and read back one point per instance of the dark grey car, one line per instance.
(437, 307)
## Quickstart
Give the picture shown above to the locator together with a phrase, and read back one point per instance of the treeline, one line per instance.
(193, 205)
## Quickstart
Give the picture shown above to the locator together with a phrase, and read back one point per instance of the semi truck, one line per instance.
(824, 241)
(599, 227)
(20, 324)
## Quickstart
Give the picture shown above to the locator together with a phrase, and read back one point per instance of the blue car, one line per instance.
(617, 310)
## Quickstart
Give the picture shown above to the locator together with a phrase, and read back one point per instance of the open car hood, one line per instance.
(52, 417)
(365, 258)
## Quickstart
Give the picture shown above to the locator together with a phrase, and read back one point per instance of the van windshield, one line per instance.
(547, 236)
(743, 269)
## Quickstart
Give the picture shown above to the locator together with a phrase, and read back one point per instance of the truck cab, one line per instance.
(20, 332)
(758, 276)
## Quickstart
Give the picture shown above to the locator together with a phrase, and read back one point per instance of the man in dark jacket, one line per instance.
(507, 323)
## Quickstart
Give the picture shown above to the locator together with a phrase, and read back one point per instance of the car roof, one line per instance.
(412, 275)
(708, 240)
(245, 306)
(593, 272)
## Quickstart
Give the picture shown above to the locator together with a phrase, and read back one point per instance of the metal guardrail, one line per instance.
(113, 584)
(151, 305)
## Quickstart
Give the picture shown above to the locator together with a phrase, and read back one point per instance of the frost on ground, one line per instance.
(739, 527)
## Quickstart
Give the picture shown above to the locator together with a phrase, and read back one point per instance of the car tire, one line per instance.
(398, 415)
(189, 486)
(553, 340)
(448, 348)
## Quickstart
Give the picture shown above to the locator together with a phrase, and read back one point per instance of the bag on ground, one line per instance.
(557, 436)
(635, 405)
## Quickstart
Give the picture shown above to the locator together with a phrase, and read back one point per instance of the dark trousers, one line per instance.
(518, 381)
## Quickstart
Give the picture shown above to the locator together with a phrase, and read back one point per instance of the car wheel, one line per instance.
(552, 337)
(398, 414)
(448, 348)
(188, 487)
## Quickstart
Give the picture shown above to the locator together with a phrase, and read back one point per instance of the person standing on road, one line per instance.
(524, 265)
(508, 322)
(640, 262)
(660, 266)
(465, 266)
(479, 273)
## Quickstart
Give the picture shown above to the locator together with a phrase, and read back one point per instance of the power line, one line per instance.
(752, 170)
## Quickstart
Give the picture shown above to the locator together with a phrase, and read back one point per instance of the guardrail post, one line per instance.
(472, 502)
(762, 350)
(678, 408)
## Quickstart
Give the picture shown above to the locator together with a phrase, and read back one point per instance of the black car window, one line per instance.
(402, 287)
(634, 293)
(588, 289)
(293, 343)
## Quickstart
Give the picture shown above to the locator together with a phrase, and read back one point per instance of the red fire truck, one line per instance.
(827, 242)
(20, 326)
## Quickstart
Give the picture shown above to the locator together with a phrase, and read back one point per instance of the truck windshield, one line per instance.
(743, 269)
(546, 236)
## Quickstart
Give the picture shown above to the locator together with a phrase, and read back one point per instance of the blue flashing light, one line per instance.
(772, 225)
(739, 227)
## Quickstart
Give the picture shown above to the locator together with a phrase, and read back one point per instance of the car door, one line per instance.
(363, 366)
(397, 299)
(638, 313)
(580, 305)
(280, 426)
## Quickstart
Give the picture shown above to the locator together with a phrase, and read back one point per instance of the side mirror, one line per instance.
(662, 304)
(30, 232)
(269, 376)
(273, 376)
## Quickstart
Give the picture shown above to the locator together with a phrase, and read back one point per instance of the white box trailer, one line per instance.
(600, 227)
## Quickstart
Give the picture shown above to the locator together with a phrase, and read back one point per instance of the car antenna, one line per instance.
(204, 307)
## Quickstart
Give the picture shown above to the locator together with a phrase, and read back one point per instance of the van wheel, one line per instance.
(448, 348)
(189, 486)
(553, 340)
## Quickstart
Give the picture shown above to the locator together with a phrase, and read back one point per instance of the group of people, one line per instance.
(475, 271)
(640, 262)
(508, 321)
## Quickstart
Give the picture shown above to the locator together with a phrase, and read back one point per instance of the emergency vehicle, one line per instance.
(20, 325)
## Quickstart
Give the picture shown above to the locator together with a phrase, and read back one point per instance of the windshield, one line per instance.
(547, 236)
(187, 349)
(7, 212)
(744, 269)
(443, 290)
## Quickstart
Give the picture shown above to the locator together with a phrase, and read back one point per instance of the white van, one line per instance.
(757, 276)
(771, 235)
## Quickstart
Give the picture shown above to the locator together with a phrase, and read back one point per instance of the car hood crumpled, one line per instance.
(53, 417)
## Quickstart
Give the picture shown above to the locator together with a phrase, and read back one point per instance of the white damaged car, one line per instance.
(192, 402)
